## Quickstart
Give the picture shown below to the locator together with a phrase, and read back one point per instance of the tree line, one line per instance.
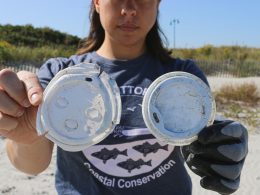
(27, 44)
(33, 46)
(30, 36)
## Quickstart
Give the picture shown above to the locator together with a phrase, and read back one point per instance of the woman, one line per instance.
(124, 41)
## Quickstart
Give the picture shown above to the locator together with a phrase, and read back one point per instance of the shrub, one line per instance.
(5, 51)
(246, 92)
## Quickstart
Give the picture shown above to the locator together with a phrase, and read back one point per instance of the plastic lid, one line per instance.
(81, 106)
(177, 106)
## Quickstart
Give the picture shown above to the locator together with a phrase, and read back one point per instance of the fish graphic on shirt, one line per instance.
(130, 164)
(147, 148)
(105, 154)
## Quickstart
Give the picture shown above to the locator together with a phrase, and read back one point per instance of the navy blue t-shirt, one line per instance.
(130, 160)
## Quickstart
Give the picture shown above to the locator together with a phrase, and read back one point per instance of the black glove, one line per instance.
(218, 156)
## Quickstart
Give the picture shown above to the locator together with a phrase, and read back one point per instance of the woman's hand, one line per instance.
(20, 95)
(218, 155)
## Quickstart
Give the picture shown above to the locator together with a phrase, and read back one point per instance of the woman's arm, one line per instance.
(20, 95)
(31, 159)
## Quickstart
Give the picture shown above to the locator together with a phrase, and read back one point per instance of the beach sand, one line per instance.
(13, 182)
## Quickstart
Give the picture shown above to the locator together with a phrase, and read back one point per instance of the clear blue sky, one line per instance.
(220, 22)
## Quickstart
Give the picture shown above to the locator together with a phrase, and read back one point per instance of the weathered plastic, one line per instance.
(81, 107)
(177, 106)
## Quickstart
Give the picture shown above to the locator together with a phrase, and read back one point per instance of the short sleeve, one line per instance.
(50, 68)
(193, 68)
(187, 66)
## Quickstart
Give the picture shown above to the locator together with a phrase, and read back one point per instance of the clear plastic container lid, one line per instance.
(177, 106)
(81, 106)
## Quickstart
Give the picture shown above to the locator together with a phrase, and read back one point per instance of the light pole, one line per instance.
(173, 23)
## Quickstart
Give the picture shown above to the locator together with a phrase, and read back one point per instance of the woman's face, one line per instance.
(127, 22)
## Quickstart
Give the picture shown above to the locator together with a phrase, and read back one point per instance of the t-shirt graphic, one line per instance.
(132, 160)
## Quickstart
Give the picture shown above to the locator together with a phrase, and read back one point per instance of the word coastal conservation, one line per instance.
(125, 183)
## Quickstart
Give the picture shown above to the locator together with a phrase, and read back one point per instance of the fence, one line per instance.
(210, 68)
(229, 68)
(15, 66)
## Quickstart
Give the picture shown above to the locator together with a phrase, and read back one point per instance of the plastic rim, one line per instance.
(177, 106)
(80, 107)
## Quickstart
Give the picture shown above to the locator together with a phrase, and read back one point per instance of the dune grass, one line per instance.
(246, 92)
(240, 103)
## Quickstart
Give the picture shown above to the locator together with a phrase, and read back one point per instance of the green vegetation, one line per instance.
(246, 92)
(28, 44)
(33, 46)
(209, 52)
(36, 37)
(232, 60)
(240, 103)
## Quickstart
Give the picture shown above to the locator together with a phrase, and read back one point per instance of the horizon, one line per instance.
(221, 23)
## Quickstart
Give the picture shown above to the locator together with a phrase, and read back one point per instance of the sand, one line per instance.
(13, 182)
(217, 82)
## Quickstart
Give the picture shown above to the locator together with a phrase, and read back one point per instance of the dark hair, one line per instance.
(96, 37)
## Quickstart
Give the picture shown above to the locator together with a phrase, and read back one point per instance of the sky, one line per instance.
(201, 22)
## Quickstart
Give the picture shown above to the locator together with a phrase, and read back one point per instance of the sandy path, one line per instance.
(13, 182)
